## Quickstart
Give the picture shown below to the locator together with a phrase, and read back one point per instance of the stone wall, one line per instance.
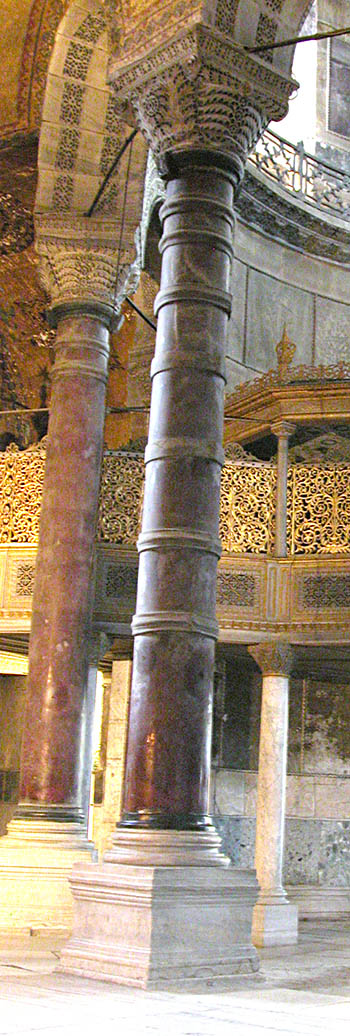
(273, 285)
(317, 841)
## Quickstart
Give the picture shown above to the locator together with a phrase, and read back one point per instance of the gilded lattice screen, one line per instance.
(21, 485)
(21, 482)
(247, 512)
(318, 503)
(319, 509)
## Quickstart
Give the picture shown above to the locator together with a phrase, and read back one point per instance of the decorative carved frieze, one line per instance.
(199, 90)
(274, 658)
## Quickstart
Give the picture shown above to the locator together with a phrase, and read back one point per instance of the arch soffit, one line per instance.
(81, 134)
(248, 22)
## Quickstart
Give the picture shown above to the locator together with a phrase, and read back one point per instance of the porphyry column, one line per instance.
(275, 920)
(175, 626)
(282, 430)
(165, 842)
(48, 831)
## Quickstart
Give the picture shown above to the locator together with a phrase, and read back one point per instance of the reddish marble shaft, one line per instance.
(168, 753)
(58, 652)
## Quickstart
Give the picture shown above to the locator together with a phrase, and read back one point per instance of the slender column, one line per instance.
(283, 430)
(167, 769)
(50, 785)
(274, 919)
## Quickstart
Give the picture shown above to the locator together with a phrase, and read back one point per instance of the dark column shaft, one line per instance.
(168, 754)
(58, 654)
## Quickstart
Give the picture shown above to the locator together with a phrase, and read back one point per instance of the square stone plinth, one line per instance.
(160, 927)
(275, 924)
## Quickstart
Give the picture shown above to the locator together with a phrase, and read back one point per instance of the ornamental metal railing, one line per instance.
(294, 169)
(318, 503)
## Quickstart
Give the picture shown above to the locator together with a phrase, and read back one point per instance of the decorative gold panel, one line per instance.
(247, 513)
(121, 498)
(318, 503)
(319, 509)
(21, 480)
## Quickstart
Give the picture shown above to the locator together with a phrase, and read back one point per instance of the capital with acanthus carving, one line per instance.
(274, 658)
(191, 87)
(80, 263)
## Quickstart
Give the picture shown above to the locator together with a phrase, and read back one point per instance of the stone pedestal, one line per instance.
(49, 830)
(36, 859)
(165, 909)
(275, 920)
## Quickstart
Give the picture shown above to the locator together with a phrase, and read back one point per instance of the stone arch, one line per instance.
(81, 134)
(254, 22)
(248, 22)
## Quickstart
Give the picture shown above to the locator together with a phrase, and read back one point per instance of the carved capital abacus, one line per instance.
(274, 658)
(195, 89)
(81, 264)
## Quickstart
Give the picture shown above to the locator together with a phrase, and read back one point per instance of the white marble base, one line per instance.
(162, 926)
(275, 924)
(36, 859)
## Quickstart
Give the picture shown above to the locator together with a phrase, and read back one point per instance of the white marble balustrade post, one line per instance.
(275, 921)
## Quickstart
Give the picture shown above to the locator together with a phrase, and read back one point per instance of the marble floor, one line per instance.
(301, 991)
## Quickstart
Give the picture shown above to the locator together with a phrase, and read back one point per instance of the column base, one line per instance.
(36, 859)
(275, 923)
(160, 926)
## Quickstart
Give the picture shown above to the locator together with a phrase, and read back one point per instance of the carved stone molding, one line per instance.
(273, 658)
(80, 261)
(199, 90)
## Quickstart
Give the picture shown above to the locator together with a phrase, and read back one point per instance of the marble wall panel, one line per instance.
(332, 333)
(316, 852)
(332, 798)
(271, 304)
(236, 329)
(334, 855)
(302, 852)
(250, 794)
(238, 839)
(227, 791)
(300, 798)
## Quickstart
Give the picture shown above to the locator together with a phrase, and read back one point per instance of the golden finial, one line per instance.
(285, 352)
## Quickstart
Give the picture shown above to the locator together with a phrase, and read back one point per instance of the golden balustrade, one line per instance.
(318, 503)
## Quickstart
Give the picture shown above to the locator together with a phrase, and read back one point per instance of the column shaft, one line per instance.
(167, 768)
(58, 653)
(275, 921)
(272, 784)
(283, 431)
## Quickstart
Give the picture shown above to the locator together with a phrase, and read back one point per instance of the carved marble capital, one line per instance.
(80, 262)
(283, 429)
(274, 658)
(199, 90)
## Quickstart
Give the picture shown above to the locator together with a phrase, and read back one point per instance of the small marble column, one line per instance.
(282, 430)
(275, 921)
